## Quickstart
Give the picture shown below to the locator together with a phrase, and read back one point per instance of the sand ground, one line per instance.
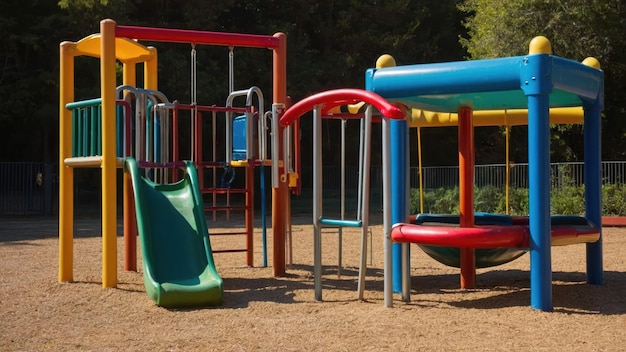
(261, 312)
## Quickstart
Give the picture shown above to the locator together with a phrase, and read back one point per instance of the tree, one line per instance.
(330, 44)
(28, 79)
(577, 29)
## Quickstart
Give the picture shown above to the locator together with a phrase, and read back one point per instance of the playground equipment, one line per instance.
(178, 266)
(484, 257)
(536, 82)
(506, 118)
(324, 102)
(108, 138)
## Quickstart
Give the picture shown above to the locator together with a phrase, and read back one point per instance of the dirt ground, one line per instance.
(261, 312)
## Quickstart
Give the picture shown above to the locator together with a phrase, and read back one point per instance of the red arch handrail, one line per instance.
(336, 97)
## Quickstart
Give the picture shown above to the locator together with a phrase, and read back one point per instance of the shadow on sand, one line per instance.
(511, 288)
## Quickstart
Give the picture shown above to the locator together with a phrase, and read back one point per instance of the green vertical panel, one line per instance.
(82, 131)
(93, 138)
(75, 117)
(86, 128)
(98, 129)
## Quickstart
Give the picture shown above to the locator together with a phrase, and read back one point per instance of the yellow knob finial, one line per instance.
(540, 45)
(592, 62)
(385, 60)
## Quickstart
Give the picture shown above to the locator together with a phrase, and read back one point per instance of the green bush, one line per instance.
(568, 200)
(614, 200)
(489, 199)
(564, 200)
(518, 201)
(436, 201)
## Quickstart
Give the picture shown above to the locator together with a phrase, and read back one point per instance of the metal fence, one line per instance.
(562, 175)
(27, 188)
(31, 187)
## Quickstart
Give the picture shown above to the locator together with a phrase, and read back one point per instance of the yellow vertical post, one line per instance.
(109, 196)
(419, 168)
(506, 162)
(66, 174)
(150, 77)
(129, 73)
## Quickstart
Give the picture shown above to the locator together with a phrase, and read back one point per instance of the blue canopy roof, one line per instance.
(491, 84)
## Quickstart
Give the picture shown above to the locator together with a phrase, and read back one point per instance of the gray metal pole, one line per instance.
(317, 201)
(386, 170)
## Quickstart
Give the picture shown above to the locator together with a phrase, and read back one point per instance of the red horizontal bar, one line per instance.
(211, 233)
(489, 236)
(211, 164)
(210, 108)
(229, 250)
(196, 37)
(154, 165)
(223, 191)
(225, 208)
(462, 237)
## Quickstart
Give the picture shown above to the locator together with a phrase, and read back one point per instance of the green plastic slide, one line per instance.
(178, 262)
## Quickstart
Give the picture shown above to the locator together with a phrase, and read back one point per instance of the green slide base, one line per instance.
(177, 258)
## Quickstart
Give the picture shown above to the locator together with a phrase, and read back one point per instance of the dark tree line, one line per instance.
(330, 45)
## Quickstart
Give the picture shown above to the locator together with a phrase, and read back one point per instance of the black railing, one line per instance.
(27, 188)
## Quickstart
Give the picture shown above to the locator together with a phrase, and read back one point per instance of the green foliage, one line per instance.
(518, 201)
(614, 200)
(568, 200)
(489, 199)
(28, 79)
(437, 201)
(84, 4)
(577, 29)
(565, 200)
(330, 44)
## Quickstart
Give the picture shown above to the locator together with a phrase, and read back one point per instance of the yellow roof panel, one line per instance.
(126, 50)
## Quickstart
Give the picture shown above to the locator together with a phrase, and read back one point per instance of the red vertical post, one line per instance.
(198, 146)
(280, 194)
(130, 217)
(130, 226)
(466, 192)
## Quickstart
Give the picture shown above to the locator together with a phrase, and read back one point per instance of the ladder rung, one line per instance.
(229, 250)
(223, 191)
(89, 161)
(226, 233)
(226, 208)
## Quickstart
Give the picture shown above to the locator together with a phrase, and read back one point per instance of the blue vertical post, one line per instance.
(537, 85)
(398, 150)
(539, 200)
(593, 190)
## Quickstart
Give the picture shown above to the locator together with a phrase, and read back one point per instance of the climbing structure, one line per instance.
(141, 122)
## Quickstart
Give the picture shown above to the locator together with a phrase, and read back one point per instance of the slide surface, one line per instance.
(177, 257)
